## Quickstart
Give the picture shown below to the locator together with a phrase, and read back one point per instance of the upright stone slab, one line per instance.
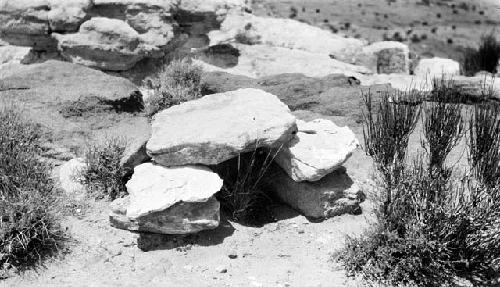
(437, 67)
(218, 127)
(164, 200)
(319, 148)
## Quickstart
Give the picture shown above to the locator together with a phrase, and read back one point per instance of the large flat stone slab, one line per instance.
(164, 200)
(218, 127)
(319, 148)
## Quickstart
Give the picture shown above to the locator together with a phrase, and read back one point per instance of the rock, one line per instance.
(70, 177)
(385, 57)
(335, 194)
(221, 269)
(319, 148)
(164, 200)
(437, 68)
(135, 154)
(218, 127)
(107, 44)
(261, 60)
(11, 55)
(285, 33)
(67, 16)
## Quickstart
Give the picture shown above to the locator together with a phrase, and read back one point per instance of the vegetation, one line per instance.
(178, 82)
(29, 229)
(485, 58)
(433, 227)
(241, 196)
(104, 176)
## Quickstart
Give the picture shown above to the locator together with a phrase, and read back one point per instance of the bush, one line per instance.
(104, 176)
(435, 228)
(241, 196)
(483, 59)
(178, 82)
(386, 129)
(29, 228)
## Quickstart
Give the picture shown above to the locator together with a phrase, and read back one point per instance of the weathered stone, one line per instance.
(70, 177)
(262, 60)
(67, 16)
(285, 33)
(319, 148)
(385, 57)
(13, 55)
(218, 127)
(169, 200)
(335, 194)
(437, 68)
(107, 44)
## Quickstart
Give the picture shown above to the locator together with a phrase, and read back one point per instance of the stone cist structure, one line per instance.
(175, 193)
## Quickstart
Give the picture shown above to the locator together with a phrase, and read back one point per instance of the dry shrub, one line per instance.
(241, 196)
(104, 175)
(179, 82)
(483, 59)
(29, 229)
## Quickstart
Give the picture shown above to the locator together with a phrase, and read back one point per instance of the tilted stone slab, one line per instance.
(218, 127)
(319, 148)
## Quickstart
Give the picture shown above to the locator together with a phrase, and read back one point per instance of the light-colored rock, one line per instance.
(108, 44)
(70, 177)
(67, 15)
(13, 55)
(335, 194)
(385, 57)
(286, 33)
(261, 60)
(437, 68)
(218, 127)
(319, 148)
(165, 200)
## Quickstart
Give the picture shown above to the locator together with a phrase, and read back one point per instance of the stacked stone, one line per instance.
(175, 193)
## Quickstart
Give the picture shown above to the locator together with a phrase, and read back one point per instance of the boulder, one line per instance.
(218, 127)
(262, 60)
(437, 68)
(67, 16)
(319, 148)
(285, 33)
(385, 57)
(335, 194)
(70, 177)
(13, 55)
(165, 200)
(107, 44)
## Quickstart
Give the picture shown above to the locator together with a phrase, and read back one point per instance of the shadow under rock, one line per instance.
(153, 241)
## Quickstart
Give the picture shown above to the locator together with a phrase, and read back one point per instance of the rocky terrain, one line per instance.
(272, 81)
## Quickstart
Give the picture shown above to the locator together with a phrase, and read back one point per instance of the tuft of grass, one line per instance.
(179, 82)
(104, 176)
(241, 196)
(485, 58)
(29, 228)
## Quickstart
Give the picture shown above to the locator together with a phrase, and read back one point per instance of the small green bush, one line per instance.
(29, 228)
(178, 82)
(483, 59)
(104, 176)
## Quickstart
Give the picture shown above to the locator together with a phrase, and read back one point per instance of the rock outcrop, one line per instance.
(109, 34)
(385, 57)
(218, 127)
(285, 33)
(262, 60)
(319, 148)
(177, 200)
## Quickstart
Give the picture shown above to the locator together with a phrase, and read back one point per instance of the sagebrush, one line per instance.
(485, 58)
(178, 82)
(29, 229)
